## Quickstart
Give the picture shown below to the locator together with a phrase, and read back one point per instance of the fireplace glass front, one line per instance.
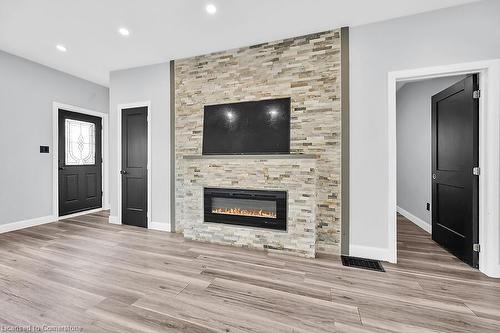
(255, 208)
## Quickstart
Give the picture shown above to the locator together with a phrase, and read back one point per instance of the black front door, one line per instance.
(134, 166)
(455, 154)
(80, 162)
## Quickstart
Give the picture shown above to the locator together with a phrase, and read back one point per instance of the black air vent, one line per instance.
(373, 265)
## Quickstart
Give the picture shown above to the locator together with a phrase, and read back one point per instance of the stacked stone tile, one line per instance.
(307, 69)
(296, 175)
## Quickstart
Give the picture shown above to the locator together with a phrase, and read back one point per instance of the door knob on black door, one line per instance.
(123, 172)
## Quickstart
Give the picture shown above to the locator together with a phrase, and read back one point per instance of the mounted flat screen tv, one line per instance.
(261, 127)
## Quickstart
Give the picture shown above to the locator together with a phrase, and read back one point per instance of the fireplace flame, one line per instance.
(244, 212)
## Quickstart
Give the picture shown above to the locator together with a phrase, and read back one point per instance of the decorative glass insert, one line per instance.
(80, 142)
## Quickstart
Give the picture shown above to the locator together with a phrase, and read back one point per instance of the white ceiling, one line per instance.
(161, 30)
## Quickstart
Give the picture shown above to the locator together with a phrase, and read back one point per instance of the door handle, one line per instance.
(434, 176)
(61, 168)
(123, 172)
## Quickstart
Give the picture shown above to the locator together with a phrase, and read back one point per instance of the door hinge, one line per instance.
(476, 248)
(102, 193)
(476, 94)
(476, 171)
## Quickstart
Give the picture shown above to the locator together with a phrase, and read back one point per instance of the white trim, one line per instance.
(114, 220)
(368, 252)
(26, 223)
(118, 219)
(86, 212)
(419, 222)
(160, 226)
(42, 220)
(489, 154)
(55, 153)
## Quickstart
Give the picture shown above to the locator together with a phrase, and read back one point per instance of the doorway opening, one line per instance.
(488, 76)
(134, 164)
(80, 149)
(437, 153)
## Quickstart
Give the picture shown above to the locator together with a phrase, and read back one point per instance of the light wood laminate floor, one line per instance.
(108, 278)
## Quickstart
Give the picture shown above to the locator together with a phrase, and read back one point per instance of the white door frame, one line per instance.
(55, 157)
(119, 163)
(489, 154)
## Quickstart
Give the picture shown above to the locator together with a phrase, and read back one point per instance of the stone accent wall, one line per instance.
(307, 69)
(296, 175)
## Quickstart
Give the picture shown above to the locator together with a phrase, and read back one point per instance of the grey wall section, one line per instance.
(172, 145)
(413, 111)
(27, 91)
(148, 83)
(344, 180)
(454, 35)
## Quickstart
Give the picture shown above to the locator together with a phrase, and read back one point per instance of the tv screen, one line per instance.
(261, 127)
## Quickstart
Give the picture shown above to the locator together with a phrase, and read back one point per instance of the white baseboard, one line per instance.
(27, 223)
(160, 226)
(64, 217)
(152, 225)
(492, 271)
(369, 252)
(114, 220)
(419, 222)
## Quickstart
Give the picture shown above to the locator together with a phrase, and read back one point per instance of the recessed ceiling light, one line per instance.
(124, 32)
(211, 9)
(61, 47)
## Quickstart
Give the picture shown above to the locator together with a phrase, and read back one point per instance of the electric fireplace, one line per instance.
(254, 208)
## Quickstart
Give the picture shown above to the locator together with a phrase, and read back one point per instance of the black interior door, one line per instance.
(80, 162)
(134, 166)
(455, 152)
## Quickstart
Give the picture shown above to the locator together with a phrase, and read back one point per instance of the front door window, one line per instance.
(80, 142)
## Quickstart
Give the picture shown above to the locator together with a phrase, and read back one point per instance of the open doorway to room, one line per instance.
(488, 152)
(437, 168)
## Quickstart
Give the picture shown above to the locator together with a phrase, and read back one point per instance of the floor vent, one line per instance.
(373, 265)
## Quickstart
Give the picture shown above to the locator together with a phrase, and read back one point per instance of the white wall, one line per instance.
(27, 90)
(454, 35)
(413, 111)
(148, 83)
